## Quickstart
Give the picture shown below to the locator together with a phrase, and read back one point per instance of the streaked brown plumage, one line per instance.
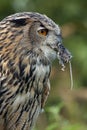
(28, 44)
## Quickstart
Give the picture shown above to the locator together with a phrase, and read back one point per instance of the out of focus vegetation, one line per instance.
(65, 109)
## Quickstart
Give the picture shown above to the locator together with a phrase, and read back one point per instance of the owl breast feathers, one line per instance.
(28, 44)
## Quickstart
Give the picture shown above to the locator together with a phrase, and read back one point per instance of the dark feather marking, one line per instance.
(33, 115)
(16, 82)
(10, 98)
(19, 22)
(32, 106)
(2, 92)
(3, 108)
(19, 116)
(1, 101)
(5, 114)
(23, 125)
(3, 81)
(17, 108)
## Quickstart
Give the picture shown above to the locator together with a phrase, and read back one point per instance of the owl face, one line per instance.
(40, 33)
(46, 38)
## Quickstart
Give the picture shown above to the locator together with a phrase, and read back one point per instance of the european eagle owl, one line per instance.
(29, 42)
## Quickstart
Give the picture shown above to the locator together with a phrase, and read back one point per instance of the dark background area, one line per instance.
(65, 109)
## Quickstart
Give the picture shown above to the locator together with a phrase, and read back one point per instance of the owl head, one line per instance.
(38, 32)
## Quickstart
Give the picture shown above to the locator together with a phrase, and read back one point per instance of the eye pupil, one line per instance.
(43, 32)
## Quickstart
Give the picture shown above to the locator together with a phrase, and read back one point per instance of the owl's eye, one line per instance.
(43, 32)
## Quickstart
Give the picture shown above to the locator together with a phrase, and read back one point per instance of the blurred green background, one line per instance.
(65, 109)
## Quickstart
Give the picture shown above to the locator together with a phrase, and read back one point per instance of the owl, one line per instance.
(29, 42)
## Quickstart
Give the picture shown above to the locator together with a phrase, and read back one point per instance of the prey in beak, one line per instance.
(63, 55)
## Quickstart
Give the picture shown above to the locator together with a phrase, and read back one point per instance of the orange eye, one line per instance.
(43, 32)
